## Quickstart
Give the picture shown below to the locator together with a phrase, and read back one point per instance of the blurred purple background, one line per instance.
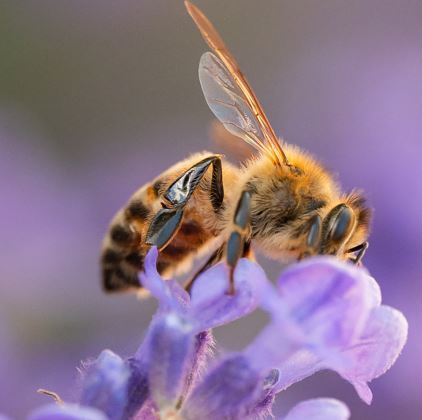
(96, 98)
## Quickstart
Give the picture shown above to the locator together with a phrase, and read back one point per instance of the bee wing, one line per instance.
(230, 95)
(227, 102)
(230, 144)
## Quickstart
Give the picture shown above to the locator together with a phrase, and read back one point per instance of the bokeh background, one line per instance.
(98, 97)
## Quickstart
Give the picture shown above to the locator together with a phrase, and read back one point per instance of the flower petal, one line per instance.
(168, 293)
(329, 299)
(138, 386)
(273, 345)
(104, 384)
(321, 305)
(366, 358)
(319, 409)
(261, 408)
(204, 343)
(327, 315)
(148, 411)
(226, 392)
(67, 412)
(297, 367)
(376, 350)
(212, 306)
(170, 356)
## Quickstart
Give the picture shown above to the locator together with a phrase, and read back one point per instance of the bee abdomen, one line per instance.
(124, 249)
(116, 272)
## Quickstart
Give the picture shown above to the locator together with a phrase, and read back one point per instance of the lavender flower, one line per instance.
(324, 314)
(342, 325)
(105, 384)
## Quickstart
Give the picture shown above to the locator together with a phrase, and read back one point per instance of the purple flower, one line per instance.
(179, 343)
(321, 308)
(105, 384)
(209, 305)
(323, 314)
(342, 325)
(103, 395)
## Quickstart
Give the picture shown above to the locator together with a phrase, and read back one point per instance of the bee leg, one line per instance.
(217, 189)
(313, 238)
(248, 251)
(360, 249)
(234, 250)
(167, 221)
(215, 257)
(180, 191)
(236, 245)
(164, 227)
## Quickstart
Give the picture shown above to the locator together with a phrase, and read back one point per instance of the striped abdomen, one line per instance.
(124, 246)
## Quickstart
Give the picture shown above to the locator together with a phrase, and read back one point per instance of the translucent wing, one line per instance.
(232, 146)
(227, 71)
(227, 101)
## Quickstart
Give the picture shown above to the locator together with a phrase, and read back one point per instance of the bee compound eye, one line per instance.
(342, 224)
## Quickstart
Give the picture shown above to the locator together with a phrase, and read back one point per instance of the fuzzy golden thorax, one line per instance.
(286, 203)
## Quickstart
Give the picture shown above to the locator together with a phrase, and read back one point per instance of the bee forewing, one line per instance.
(230, 144)
(227, 101)
(268, 142)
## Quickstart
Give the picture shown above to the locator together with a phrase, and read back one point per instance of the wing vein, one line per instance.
(229, 67)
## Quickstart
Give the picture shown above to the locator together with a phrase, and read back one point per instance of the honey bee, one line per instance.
(281, 202)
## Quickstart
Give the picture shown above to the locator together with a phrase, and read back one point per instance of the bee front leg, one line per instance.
(360, 249)
(237, 246)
